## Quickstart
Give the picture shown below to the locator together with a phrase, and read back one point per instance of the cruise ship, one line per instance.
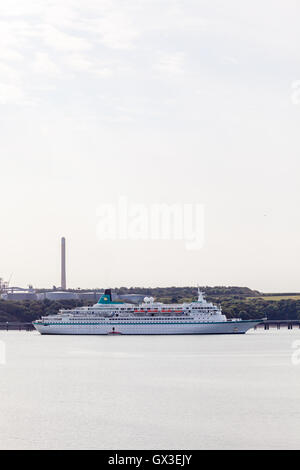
(148, 318)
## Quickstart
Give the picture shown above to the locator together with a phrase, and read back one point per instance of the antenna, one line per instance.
(63, 264)
(200, 294)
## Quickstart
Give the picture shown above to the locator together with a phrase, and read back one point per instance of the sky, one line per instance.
(176, 102)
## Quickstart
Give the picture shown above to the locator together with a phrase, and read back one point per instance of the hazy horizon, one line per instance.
(161, 102)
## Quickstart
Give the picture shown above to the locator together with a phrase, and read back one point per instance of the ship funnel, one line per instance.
(105, 298)
(107, 292)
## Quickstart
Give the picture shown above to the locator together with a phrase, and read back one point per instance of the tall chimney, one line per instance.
(63, 264)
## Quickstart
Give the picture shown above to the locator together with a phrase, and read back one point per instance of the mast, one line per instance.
(200, 295)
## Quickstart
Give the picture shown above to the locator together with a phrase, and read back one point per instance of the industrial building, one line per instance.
(20, 294)
(67, 295)
(16, 293)
(57, 295)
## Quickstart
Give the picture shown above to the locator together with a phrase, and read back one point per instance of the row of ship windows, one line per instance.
(121, 323)
(203, 309)
(135, 319)
(155, 309)
(121, 320)
(141, 319)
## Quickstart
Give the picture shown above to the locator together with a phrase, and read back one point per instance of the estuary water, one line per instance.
(150, 392)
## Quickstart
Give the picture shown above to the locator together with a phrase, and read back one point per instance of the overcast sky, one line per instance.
(158, 101)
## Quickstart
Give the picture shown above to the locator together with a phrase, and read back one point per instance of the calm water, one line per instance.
(150, 392)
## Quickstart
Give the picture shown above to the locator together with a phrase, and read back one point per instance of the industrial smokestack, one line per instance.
(63, 264)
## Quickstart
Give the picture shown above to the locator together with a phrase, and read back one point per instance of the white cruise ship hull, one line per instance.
(136, 328)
